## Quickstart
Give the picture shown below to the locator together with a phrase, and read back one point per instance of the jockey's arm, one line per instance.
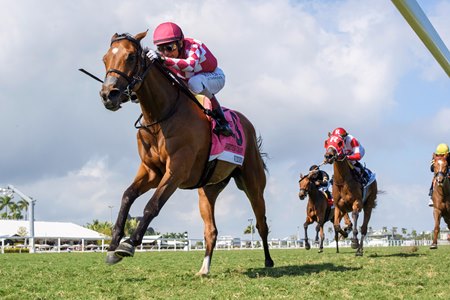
(354, 156)
(188, 64)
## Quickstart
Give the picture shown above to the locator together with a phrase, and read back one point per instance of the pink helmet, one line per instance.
(339, 131)
(166, 33)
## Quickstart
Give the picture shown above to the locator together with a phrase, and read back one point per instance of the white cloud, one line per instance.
(297, 69)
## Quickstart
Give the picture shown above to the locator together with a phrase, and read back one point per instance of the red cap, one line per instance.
(166, 33)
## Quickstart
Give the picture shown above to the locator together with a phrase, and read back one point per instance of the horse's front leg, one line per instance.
(322, 236)
(437, 224)
(305, 227)
(140, 185)
(207, 199)
(316, 239)
(348, 223)
(165, 189)
(337, 226)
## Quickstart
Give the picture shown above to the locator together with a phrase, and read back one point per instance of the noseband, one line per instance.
(439, 173)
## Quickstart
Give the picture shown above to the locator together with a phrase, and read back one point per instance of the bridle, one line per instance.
(140, 68)
(442, 172)
(138, 74)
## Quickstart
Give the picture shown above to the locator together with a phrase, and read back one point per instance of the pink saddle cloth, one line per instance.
(227, 148)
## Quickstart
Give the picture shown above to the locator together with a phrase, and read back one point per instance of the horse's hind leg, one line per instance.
(207, 199)
(252, 181)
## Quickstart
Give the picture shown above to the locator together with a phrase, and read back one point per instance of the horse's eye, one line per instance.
(131, 57)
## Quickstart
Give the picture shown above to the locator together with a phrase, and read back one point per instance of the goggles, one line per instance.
(167, 47)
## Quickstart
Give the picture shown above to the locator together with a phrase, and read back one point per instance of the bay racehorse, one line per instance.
(441, 195)
(348, 192)
(173, 144)
(317, 210)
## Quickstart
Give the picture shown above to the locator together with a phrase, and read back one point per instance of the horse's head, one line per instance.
(440, 168)
(305, 186)
(334, 146)
(125, 63)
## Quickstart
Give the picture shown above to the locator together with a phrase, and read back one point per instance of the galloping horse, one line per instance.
(441, 195)
(173, 144)
(316, 210)
(348, 193)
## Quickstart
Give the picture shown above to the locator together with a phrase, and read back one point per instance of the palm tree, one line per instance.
(130, 226)
(249, 230)
(5, 203)
(23, 205)
(15, 213)
(404, 233)
(101, 227)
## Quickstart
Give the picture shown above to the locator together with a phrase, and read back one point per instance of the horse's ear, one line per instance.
(141, 35)
(329, 134)
(114, 36)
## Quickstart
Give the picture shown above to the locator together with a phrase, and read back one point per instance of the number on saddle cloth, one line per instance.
(230, 148)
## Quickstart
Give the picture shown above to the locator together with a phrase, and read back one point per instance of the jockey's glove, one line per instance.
(154, 55)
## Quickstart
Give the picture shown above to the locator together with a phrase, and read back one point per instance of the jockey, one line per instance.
(354, 152)
(192, 61)
(321, 180)
(441, 149)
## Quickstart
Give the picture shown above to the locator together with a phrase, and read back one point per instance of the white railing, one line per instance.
(168, 244)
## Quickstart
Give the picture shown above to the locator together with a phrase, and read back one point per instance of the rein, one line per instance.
(133, 80)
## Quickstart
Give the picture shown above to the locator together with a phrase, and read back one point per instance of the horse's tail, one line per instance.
(264, 155)
(379, 192)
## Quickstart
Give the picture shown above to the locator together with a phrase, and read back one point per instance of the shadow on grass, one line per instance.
(375, 255)
(140, 279)
(297, 270)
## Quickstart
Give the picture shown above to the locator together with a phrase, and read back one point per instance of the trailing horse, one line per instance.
(317, 210)
(174, 141)
(348, 193)
(441, 195)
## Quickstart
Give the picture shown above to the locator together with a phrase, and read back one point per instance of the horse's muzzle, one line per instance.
(302, 194)
(111, 98)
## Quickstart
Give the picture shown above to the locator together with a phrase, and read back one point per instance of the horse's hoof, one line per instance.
(269, 263)
(433, 246)
(320, 250)
(307, 246)
(124, 250)
(201, 274)
(345, 235)
(112, 258)
(359, 253)
(355, 244)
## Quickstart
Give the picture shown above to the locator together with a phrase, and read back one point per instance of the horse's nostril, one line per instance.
(113, 93)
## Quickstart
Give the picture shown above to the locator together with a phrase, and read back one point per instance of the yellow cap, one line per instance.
(442, 149)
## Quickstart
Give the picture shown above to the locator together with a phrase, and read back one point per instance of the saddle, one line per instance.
(226, 148)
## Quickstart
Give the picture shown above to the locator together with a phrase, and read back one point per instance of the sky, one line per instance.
(296, 69)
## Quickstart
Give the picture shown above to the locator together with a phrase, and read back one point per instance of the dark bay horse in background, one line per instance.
(173, 145)
(316, 210)
(441, 195)
(348, 193)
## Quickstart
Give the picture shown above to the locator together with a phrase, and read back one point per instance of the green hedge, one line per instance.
(16, 250)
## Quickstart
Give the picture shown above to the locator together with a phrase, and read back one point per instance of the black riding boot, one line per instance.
(362, 173)
(222, 126)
